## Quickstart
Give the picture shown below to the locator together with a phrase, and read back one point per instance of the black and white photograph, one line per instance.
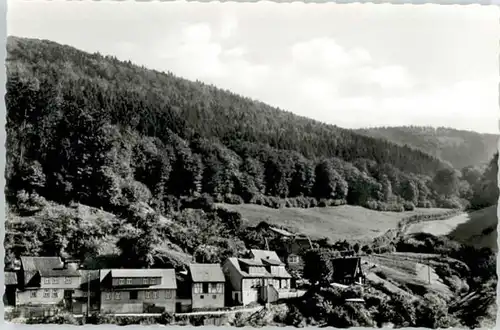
(251, 164)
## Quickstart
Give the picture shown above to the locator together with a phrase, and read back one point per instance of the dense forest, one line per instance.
(121, 166)
(460, 148)
(95, 130)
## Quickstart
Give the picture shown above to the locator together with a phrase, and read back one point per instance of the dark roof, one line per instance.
(10, 278)
(251, 262)
(46, 267)
(345, 266)
(206, 273)
(272, 262)
(168, 278)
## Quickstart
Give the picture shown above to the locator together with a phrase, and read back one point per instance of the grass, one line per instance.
(407, 274)
(337, 223)
(479, 230)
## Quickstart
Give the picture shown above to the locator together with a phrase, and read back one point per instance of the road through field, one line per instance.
(438, 227)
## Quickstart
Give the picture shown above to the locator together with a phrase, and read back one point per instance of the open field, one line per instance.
(477, 228)
(406, 273)
(336, 223)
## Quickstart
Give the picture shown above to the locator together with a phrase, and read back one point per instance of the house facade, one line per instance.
(249, 278)
(47, 281)
(137, 291)
(347, 271)
(207, 286)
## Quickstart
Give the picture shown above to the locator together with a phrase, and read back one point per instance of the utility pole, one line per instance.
(88, 293)
(429, 272)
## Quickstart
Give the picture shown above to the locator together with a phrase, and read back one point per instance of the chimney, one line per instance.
(71, 263)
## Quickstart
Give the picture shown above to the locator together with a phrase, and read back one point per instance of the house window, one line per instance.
(205, 287)
(148, 295)
(152, 281)
(129, 281)
(214, 296)
(220, 287)
(168, 294)
(118, 295)
(46, 293)
(145, 281)
(202, 296)
(156, 295)
(55, 280)
(67, 280)
(46, 280)
(108, 295)
(33, 294)
(213, 287)
(133, 295)
(293, 259)
(197, 288)
(121, 281)
(54, 293)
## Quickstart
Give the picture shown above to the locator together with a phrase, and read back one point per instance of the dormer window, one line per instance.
(121, 281)
(145, 281)
(129, 281)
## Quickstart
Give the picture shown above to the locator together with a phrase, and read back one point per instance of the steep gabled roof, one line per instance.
(206, 273)
(345, 266)
(46, 267)
(266, 255)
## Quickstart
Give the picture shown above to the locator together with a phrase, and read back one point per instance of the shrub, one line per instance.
(409, 206)
(233, 199)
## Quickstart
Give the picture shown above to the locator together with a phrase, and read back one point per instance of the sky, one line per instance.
(352, 65)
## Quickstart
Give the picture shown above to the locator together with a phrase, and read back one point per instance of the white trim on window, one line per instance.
(118, 295)
(68, 280)
(33, 293)
(108, 296)
(46, 293)
(129, 281)
(121, 281)
(46, 280)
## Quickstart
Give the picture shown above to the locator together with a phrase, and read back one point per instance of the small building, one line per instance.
(207, 286)
(9, 297)
(47, 281)
(295, 249)
(125, 291)
(250, 279)
(89, 284)
(347, 271)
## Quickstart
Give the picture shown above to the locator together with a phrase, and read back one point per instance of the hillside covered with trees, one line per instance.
(121, 166)
(460, 148)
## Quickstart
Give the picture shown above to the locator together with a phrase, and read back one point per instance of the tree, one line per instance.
(446, 182)
(318, 267)
(409, 191)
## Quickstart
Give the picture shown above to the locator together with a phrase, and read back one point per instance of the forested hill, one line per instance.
(460, 148)
(95, 130)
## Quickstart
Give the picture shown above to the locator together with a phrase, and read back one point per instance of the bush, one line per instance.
(409, 206)
(233, 199)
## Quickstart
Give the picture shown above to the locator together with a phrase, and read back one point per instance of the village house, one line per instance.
(47, 281)
(10, 284)
(261, 278)
(137, 291)
(294, 250)
(207, 286)
(347, 271)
